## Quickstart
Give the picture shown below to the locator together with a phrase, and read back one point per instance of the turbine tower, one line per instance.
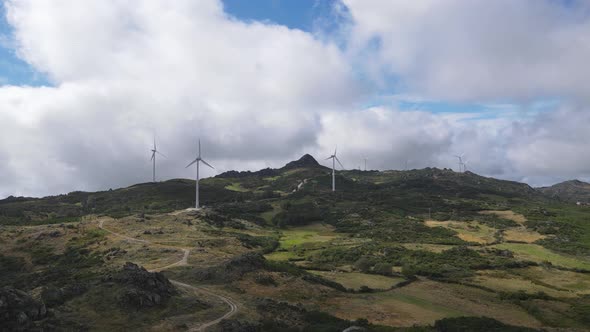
(461, 164)
(197, 161)
(365, 164)
(334, 160)
(154, 152)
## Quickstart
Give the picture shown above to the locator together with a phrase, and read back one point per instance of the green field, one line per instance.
(236, 187)
(537, 253)
(355, 280)
(298, 236)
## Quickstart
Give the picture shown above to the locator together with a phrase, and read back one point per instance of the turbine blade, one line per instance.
(338, 160)
(199, 148)
(204, 162)
(335, 149)
(194, 161)
(153, 155)
(330, 157)
(161, 154)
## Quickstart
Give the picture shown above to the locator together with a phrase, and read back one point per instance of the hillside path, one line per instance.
(233, 306)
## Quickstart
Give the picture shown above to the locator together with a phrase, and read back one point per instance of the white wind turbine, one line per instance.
(334, 160)
(154, 152)
(197, 161)
(461, 164)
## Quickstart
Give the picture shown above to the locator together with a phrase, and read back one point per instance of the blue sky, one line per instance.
(295, 14)
(14, 71)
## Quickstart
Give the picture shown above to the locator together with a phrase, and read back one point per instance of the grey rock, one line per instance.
(18, 309)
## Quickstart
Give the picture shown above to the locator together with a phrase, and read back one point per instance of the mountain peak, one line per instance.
(305, 161)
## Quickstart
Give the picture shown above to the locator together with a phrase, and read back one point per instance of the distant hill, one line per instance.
(569, 191)
(411, 191)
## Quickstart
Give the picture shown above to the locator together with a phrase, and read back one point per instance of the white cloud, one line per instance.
(260, 95)
(477, 50)
(122, 70)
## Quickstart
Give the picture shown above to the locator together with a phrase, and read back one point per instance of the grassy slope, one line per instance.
(375, 216)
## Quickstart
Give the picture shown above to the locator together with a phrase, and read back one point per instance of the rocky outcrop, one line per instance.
(18, 310)
(142, 288)
(53, 296)
(305, 161)
(233, 269)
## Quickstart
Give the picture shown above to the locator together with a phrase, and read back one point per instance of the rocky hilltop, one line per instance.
(570, 191)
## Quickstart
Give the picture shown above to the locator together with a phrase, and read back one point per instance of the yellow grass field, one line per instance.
(470, 231)
(521, 234)
(507, 214)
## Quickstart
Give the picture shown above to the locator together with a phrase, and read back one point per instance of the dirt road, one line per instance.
(233, 306)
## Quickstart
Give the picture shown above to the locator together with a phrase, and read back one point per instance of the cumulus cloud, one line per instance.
(184, 69)
(477, 50)
(260, 94)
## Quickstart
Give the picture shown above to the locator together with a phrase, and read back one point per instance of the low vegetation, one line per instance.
(418, 250)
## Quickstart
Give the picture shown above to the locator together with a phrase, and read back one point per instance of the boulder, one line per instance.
(142, 288)
(18, 309)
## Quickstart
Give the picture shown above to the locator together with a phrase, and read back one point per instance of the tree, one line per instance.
(363, 264)
(383, 268)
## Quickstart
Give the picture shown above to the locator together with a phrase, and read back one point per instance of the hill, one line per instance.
(279, 249)
(569, 191)
(412, 191)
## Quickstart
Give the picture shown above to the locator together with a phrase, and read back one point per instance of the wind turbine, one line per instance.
(154, 152)
(334, 160)
(461, 164)
(197, 161)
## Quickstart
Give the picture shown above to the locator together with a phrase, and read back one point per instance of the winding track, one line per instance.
(233, 306)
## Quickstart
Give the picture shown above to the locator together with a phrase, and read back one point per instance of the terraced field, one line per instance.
(540, 254)
(356, 280)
